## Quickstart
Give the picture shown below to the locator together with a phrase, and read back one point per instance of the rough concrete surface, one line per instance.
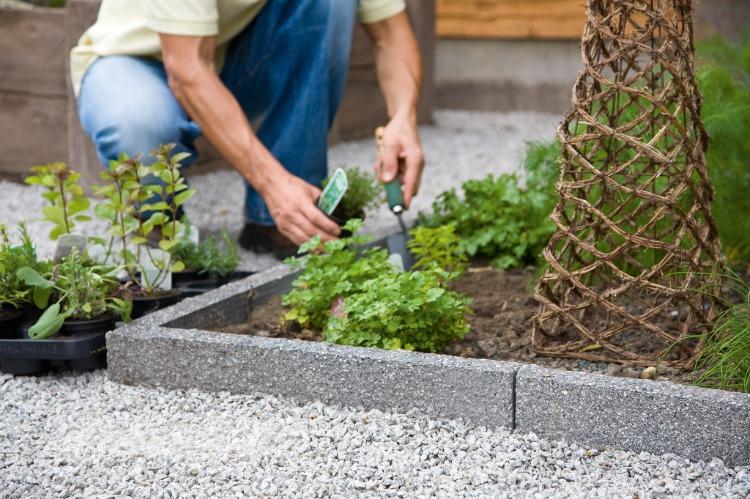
(637, 415)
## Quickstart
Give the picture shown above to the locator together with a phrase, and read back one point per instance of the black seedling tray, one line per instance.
(200, 286)
(27, 356)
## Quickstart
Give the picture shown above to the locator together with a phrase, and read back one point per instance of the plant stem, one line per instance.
(64, 204)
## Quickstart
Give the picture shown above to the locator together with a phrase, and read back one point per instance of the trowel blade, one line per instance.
(397, 246)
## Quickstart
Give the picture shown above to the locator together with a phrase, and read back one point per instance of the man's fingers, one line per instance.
(297, 235)
(320, 223)
(389, 165)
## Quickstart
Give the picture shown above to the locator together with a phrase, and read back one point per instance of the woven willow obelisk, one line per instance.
(631, 267)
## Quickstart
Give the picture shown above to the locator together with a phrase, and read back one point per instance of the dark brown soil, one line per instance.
(501, 325)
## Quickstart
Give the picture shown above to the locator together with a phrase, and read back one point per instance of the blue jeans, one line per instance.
(287, 70)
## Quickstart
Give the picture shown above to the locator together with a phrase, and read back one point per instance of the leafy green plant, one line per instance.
(410, 310)
(79, 289)
(211, 256)
(363, 194)
(14, 292)
(129, 197)
(725, 360)
(68, 203)
(724, 81)
(331, 270)
(497, 218)
(437, 247)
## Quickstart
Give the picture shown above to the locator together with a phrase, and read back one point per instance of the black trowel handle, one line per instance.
(393, 191)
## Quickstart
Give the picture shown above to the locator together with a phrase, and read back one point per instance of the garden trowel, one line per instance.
(396, 242)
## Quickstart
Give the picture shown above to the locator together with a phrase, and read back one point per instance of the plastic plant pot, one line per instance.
(99, 325)
(145, 304)
(10, 323)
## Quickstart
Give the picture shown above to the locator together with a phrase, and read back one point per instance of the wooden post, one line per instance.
(82, 157)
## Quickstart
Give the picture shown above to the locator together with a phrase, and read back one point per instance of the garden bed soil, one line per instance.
(503, 310)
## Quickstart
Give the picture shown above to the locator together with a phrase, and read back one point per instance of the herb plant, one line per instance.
(410, 311)
(497, 219)
(14, 292)
(335, 271)
(363, 194)
(437, 247)
(129, 198)
(79, 289)
(212, 256)
(68, 203)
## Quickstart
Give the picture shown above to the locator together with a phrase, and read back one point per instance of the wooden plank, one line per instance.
(80, 14)
(31, 131)
(32, 51)
(511, 19)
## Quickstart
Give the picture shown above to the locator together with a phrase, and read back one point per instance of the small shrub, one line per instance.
(79, 289)
(497, 219)
(128, 197)
(363, 194)
(724, 82)
(336, 271)
(437, 247)
(13, 290)
(409, 310)
(212, 256)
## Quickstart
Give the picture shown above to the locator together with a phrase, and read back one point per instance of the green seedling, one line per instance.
(79, 289)
(68, 203)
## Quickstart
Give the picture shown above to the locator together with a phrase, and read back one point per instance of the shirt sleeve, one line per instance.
(372, 11)
(182, 17)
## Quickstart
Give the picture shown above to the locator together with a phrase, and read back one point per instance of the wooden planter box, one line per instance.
(38, 118)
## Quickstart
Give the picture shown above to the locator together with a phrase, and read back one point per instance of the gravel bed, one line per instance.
(69, 435)
(460, 146)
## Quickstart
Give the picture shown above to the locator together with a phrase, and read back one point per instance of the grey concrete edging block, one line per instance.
(156, 351)
(636, 415)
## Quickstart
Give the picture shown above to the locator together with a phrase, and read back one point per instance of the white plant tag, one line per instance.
(152, 266)
(193, 234)
(67, 242)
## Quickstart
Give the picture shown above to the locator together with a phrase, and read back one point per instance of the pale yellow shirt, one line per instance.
(131, 27)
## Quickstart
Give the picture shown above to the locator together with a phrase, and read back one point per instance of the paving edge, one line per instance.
(590, 409)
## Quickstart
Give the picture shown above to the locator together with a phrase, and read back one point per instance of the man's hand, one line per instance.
(402, 158)
(291, 202)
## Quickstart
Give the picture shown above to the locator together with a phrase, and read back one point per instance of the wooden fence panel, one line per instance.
(511, 19)
(32, 89)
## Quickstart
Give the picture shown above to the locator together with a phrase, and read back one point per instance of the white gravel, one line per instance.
(82, 436)
(68, 435)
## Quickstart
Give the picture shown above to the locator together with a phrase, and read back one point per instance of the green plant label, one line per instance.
(334, 192)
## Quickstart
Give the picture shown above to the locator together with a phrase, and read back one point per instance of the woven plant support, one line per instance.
(632, 265)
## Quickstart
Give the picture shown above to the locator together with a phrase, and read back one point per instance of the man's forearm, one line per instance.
(399, 65)
(210, 104)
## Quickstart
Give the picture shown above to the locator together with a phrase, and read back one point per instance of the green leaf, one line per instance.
(166, 244)
(40, 297)
(183, 196)
(48, 324)
(31, 277)
(177, 267)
